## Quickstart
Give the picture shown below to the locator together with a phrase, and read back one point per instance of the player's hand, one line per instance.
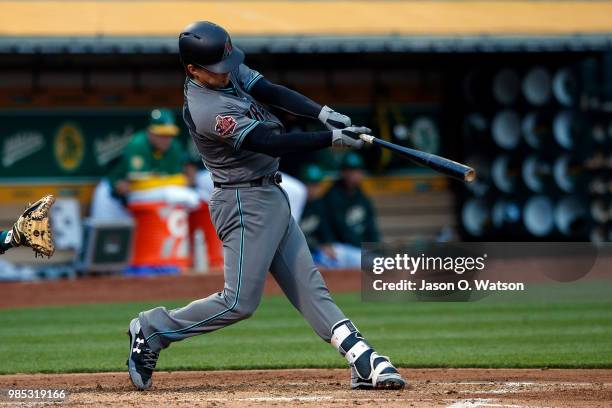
(349, 137)
(33, 228)
(333, 120)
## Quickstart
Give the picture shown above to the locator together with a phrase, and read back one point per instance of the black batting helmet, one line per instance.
(209, 46)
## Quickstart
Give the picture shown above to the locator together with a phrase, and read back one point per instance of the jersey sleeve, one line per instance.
(247, 77)
(229, 125)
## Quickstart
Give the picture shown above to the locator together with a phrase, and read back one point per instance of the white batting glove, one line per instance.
(332, 119)
(349, 137)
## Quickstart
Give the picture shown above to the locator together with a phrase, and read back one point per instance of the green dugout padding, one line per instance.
(58, 144)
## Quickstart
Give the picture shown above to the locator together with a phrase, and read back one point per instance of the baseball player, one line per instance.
(225, 109)
(154, 150)
(350, 216)
(32, 229)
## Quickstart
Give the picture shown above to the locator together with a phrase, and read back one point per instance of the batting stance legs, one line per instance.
(258, 235)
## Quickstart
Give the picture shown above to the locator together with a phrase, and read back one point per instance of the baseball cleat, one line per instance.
(141, 359)
(390, 381)
(384, 376)
(358, 383)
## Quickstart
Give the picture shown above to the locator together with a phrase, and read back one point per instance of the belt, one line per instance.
(273, 178)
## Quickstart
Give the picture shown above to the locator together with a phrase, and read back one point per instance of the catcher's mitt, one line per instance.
(33, 229)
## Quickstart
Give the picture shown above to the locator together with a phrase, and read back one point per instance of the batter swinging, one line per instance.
(240, 142)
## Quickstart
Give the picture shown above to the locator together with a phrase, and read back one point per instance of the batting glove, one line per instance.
(349, 137)
(332, 119)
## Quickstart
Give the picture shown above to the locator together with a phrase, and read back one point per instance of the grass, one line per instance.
(91, 338)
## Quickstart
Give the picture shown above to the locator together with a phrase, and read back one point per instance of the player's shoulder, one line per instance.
(217, 104)
(201, 99)
(138, 142)
(246, 77)
(203, 115)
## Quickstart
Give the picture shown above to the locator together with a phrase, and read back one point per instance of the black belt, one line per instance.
(274, 178)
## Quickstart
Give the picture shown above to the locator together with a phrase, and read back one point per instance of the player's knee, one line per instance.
(242, 312)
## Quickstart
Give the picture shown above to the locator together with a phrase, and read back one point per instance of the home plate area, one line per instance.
(453, 388)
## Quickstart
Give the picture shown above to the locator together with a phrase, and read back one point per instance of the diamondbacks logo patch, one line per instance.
(225, 125)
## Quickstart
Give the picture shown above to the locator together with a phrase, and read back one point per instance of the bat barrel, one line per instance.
(445, 166)
(450, 168)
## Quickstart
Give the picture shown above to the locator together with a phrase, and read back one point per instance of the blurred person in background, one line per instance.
(314, 223)
(351, 216)
(151, 151)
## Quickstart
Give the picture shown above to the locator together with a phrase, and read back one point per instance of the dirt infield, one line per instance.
(457, 388)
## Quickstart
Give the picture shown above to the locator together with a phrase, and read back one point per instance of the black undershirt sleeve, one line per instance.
(285, 99)
(263, 140)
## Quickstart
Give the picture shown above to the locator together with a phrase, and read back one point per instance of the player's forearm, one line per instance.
(285, 98)
(263, 140)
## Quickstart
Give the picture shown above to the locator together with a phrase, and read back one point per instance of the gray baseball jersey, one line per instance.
(255, 223)
(219, 120)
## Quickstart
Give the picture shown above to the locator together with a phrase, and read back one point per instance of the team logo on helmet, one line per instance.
(228, 48)
(225, 125)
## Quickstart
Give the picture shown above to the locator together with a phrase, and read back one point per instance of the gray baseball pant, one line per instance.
(259, 235)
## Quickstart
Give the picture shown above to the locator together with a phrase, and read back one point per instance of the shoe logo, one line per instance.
(137, 349)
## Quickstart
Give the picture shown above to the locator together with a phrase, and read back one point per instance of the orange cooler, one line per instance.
(161, 235)
(200, 219)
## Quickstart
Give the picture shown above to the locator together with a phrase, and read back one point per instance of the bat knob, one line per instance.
(367, 138)
(469, 176)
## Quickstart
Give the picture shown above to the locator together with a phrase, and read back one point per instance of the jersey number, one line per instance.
(254, 113)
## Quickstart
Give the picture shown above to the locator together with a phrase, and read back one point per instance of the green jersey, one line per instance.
(351, 215)
(314, 224)
(140, 158)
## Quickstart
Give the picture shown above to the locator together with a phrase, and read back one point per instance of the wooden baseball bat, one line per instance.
(445, 166)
